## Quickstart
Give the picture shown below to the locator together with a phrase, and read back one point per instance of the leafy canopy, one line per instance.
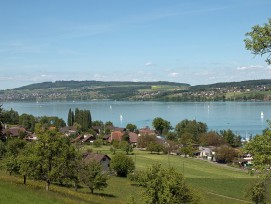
(259, 40)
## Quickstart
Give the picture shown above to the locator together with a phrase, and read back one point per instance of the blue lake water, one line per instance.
(243, 118)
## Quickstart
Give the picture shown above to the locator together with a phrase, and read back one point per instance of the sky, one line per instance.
(186, 41)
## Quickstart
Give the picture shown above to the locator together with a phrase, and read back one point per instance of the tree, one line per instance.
(2, 148)
(28, 162)
(260, 147)
(230, 138)
(161, 126)
(10, 117)
(83, 117)
(27, 121)
(258, 192)
(13, 148)
(144, 140)
(155, 147)
(259, 40)
(131, 127)
(165, 186)
(92, 176)
(225, 154)
(1, 122)
(211, 139)
(122, 164)
(191, 126)
(55, 157)
(70, 118)
(125, 146)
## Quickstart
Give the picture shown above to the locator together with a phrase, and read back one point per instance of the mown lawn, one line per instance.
(214, 183)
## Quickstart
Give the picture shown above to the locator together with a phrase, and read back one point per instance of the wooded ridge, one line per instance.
(250, 90)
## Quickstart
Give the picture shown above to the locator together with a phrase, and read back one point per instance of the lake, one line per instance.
(244, 118)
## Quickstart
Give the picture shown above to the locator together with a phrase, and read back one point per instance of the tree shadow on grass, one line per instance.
(104, 195)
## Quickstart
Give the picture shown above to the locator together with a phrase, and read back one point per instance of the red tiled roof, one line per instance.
(116, 135)
(133, 137)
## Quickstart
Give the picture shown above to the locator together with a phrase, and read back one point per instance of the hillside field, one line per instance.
(214, 183)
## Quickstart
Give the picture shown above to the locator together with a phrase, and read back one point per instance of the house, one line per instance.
(207, 152)
(146, 131)
(15, 131)
(68, 130)
(133, 137)
(78, 138)
(116, 135)
(88, 138)
(103, 159)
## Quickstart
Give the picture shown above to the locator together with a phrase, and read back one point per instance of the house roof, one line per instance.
(87, 138)
(79, 137)
(94, 156)
(133, 137)
(146, 131)
(13, 131)
(116, 135)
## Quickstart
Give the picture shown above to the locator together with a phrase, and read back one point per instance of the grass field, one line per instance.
(214, 183)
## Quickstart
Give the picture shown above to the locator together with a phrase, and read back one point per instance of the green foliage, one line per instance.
(10, 117)
(126, 137)
(27, 121)
(55, 157)
(161, 126)
(122, 164)
(70, 118)
(155, 147)
(2, 149)
(97, 123)
(144, 140)
(259, 40)
(52, 121)
(92, 176)
(165, 186)
(230, 138)
(1, 121)
(225, 154)
(260, 148)
(211, 139)
(98, 143)
(259, 192)
(191, 126)
(131, 127)
(13, 148)
(83, 118)
(187, 150)
(126, 147)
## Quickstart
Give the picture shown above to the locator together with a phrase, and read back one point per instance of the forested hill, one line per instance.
(252, 90)
(82, 84)
(246, 84)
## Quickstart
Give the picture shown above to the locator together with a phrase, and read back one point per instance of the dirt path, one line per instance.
(245, 201)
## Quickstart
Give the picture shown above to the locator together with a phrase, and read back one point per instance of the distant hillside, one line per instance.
(247, 84)
(251, 90)
(82, 84)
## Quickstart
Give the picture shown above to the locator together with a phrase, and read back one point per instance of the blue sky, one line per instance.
(188, 41)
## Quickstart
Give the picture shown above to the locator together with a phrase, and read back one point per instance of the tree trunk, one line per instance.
(24, 179)
(92, 190)
(47, 185)
(75, 186)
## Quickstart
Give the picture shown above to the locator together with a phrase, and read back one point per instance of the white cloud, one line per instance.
(173, 74)
(148, 64)
(251, 67)
(99, 77)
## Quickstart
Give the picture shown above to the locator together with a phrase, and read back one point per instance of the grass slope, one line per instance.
(215, 183)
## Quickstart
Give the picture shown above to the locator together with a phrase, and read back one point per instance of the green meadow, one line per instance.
(213, 182)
